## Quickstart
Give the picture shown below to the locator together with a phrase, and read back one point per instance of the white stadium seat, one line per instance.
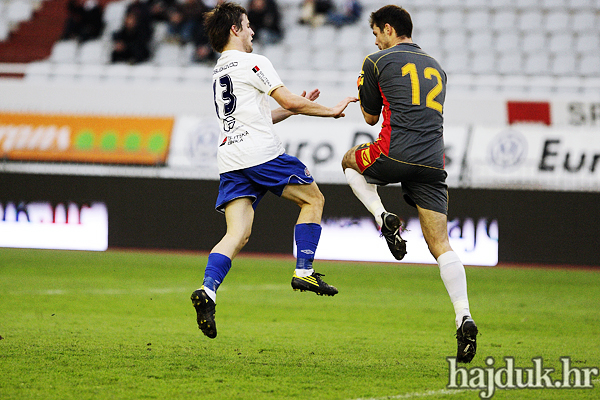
(64, 51)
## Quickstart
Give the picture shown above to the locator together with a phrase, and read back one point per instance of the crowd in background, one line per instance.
(132, 43)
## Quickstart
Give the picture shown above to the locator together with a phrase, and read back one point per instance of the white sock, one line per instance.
(453, 275)
(211, 294)
(366, 193)
(303, 273)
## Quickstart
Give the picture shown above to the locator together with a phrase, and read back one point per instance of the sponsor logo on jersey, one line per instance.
(261, 75)
(234, 139)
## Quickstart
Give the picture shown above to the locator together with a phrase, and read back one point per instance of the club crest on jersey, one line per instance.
(365, 157)
(228, 123)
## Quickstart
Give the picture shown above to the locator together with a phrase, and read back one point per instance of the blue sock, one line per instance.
(307, 239)
(217, 267)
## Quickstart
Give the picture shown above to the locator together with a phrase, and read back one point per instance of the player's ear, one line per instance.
(388, 29)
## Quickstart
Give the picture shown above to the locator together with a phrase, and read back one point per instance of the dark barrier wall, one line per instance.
(534, 226)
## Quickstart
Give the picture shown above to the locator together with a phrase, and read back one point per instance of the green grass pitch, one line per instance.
(120, 325)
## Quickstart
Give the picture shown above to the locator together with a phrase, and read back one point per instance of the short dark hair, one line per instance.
(397, 17)
(219, 21)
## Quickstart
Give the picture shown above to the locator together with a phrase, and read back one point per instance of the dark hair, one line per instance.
(219, 21)
(397, 17)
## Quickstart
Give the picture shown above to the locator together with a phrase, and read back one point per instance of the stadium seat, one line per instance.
(480, 41)
(65, 72)
(167, 54)
(563, 64)
(276, 54)
(559, 43)
(557, 21)
(530, 21)
(584, 21)
(457, 63)
(454, 40)
(143, 73)
(93, 52)
(39, 71)
(507, 42)
(350, 35)
(536, 63)
(4, 29)
(553, 4)
(91, 73)
(118, 73)
(350, 60)
(169, 74)
(589, 65)
(299, 58)
(325, 59)
(452, 20)
(18, 11)
(527, 4)
(510, 64)
(114, 13)
(298, 35)
(534, 42)
(426, 18)
(477, 20)
(504, 20)
(324, 37)
(64, 51)
(483, 62)
(587, 43)
(197, 74)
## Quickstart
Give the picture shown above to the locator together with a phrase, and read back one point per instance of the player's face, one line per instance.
(246, 34)
(382, 40)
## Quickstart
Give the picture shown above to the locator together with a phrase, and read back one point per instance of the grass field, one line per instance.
(120, 325)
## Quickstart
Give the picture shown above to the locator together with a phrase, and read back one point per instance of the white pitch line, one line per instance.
(414, 395)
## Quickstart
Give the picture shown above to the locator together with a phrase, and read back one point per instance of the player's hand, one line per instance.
(341, 106)
(312, 95)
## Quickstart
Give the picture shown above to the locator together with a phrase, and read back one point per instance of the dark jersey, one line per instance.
(411, 87)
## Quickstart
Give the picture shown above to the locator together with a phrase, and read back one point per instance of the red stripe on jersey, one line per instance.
(384, 138)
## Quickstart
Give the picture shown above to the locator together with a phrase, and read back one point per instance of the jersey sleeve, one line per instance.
(368, 88)
(262, 75)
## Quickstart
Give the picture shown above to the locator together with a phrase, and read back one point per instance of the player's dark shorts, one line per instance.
(254, 182)
(422, 185)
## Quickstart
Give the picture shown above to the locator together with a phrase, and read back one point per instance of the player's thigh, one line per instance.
(304, 194)
(239, 216)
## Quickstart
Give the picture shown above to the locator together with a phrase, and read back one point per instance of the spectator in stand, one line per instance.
(184, 19)
(160, 9)
(84, 21)
(314, 12)
(266, 21)
(350, 13)
(131, 43)
(203, 51)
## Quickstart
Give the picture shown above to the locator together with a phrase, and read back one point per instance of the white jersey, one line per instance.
(242, 83)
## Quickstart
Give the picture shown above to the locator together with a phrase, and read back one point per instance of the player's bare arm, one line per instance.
(301, 105)
(280, 113)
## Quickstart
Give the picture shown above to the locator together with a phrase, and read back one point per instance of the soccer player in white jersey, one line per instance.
(251, 157)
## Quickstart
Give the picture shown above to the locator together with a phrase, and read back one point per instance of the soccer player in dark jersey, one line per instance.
(410, 86)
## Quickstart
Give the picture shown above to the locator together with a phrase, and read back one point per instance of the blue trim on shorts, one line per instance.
(254, 182)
